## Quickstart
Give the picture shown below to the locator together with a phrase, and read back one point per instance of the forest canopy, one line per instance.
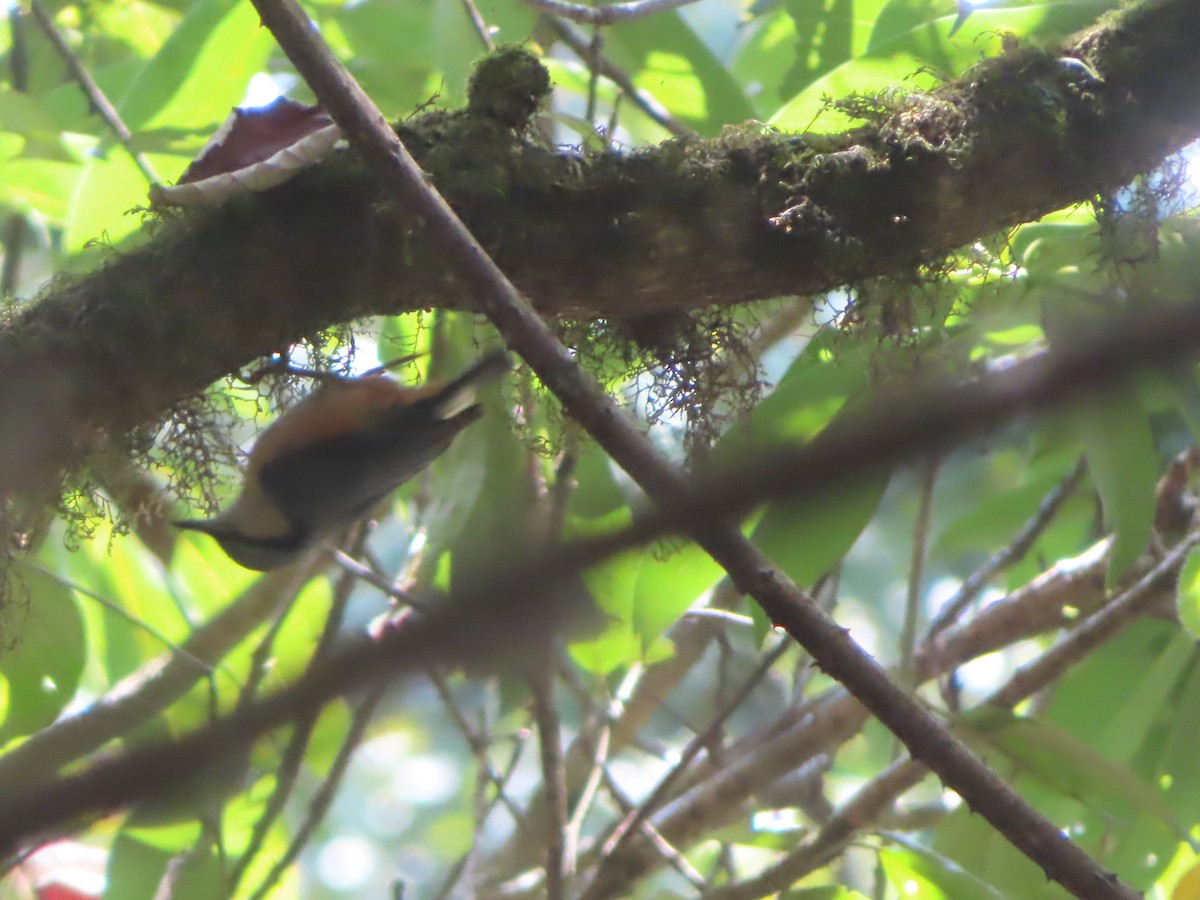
(829, 531)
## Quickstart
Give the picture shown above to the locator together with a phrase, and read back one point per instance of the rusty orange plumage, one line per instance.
(334, 455)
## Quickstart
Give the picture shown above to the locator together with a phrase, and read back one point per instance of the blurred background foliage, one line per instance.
(438, 781)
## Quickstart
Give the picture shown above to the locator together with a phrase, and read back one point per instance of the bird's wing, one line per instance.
(371, 463)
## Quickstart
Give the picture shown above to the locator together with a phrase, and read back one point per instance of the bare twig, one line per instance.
(916, 572)
(152, 688)
(867, 804)
(574, 827)
(675, 859)
(632, 823)
(643, 100)
(1093, 631)
(120, 611)
(593, 63)
(15, 226)
(1021, 544)
(541, 683)
(873, 798)
(320, 803)
(609, 14)
(99, 102)
(481, 27)
(455, 633)
(488, 775)
(478, 745)
(293, 755)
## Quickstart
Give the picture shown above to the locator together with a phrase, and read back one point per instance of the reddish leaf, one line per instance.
(255, 149)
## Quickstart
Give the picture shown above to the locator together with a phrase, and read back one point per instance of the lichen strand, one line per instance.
(702, 370)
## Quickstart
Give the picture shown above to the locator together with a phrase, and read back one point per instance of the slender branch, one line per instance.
(119, 611)
(609, 14)
(601, 744)
(661, 845)
(481, 27)
(13, 243)
(455, 633)
(293, 755)
(916, 573)
(632, 823)
(593, 63)
(487, 775)
(830, 645)
(553, 779)
(320, 803)
(15, 226)
(99, 102)
(1020, 545)
(869, 803)
(642, 99)
(1094, 630)
(478, 743)
(140, 696)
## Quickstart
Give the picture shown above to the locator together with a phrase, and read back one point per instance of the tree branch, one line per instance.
(607, 236)
(830, 646)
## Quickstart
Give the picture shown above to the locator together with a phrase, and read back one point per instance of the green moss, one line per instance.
(508, 87)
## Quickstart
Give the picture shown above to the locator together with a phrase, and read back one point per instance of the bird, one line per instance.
(325, 462)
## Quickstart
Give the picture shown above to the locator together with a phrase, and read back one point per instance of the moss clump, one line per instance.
(508, 87)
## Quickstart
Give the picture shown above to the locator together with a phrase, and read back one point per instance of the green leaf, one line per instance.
(1123, 464)
(136, 870)
(974, 845)
(808, 538)
(670, 580)
(1180, 776)
(905, 49)
(1134, 719)
(934, 875)
(201, 71)
(1003, 503)
(39, 186)
(44, 667)
(613, 585)
(827, 35)
(1063, 762)
(666, 58)
(194, 80)
(826, 892)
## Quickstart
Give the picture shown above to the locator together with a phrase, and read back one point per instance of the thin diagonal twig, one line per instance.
(99, 102)
(554, 780)
(1020, 545)
(321, 802)
(631, 824)
(293, 754)
(642, 99)
(481, 26)
(916, 572)
(873, 798)
(15, 226)
(609, 14)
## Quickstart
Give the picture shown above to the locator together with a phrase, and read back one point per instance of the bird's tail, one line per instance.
(459, 394)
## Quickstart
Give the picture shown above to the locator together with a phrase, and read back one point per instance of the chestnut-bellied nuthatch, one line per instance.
(337, 453)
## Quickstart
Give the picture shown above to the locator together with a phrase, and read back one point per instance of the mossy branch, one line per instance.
(688, 224)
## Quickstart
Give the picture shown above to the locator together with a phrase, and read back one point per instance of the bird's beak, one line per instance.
(203, 525)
